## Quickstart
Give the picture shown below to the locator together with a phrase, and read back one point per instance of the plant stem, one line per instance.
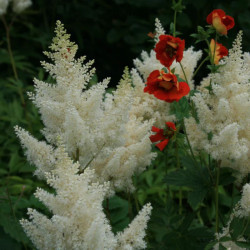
(12, 61)
(184, 73)
(136, 203)
(178, 167)
(7, 29)
(175, 14)
(214, 47)
(217, 197)
(196, 71)
(189, 145)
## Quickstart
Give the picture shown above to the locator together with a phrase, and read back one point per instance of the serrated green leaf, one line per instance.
(243, 244)
(237, 227)
(12, 227)
(196, 197)
(118, 210)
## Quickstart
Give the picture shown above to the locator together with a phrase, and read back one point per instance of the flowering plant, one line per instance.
(164, 138)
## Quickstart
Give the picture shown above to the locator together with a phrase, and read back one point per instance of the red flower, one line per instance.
(217, 52)
(168, 49)
(163, 135)
(165, 86)
(220, 21)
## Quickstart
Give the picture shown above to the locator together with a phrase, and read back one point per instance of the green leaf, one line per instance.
(12, 227)
(237, 227)
(201, 34)
(194, 176)
(221, 247)
(177, 6)
(243, 244)
(180, 109)
(118, 210)
(214, 68)
(196, 196)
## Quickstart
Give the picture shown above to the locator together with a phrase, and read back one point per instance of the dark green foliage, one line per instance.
(117, 210)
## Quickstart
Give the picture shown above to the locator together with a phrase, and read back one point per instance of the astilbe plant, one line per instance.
(96, 142)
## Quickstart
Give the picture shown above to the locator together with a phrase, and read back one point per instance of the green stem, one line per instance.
(214, 47)
(130, 207)
(178, 167)
(189, 145)
(7, 29)
(184, 73)
(10, 202)
(217, 198)
(174, 31)
(196, 71)
(136, 203)
(12, 61)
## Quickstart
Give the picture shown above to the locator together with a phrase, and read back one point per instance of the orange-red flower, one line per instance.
(163, 135)
(217, 52)
(220, 21)
(168, 49)
(165, 86)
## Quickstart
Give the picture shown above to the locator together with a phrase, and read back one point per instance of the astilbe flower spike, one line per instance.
(218, 51)
(220, 21)
(168, 49)
(165, 86)
(163, 135)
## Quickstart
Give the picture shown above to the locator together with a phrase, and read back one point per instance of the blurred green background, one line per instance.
(113, 32)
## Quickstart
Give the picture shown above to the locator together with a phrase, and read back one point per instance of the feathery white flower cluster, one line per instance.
(105, 133)
(242, 209)
(244, 203)
(78, 220)
(149, 63)
(224, 114)
(18, 6)
(95, 144)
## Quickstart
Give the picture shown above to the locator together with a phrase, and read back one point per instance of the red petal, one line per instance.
(171, 125)
(153, 75)
(155, 129)
(220, 13)
(223, 51)
(181, 47)
(161, 94)
(157, 137)
(162, 144)
(151, 88)
(228, 22)
(184, 88)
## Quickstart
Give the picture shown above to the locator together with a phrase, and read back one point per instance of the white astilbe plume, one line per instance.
(18, 6)
(244, 203)
(78, 220)
(39, 152)
(145, 107)
(3, 6)
(104, 133)
(149, 63)
(224, 114)
(242, 209)
(159, 30)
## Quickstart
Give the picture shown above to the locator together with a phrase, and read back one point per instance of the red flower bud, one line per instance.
(220, 21)
(217, 52)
